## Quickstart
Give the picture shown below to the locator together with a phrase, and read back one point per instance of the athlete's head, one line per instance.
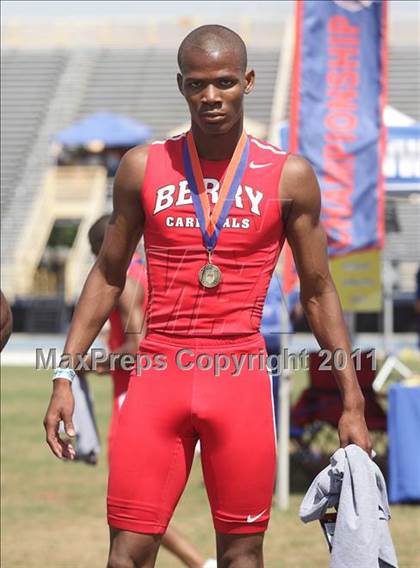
(213, 77)
(97, 233)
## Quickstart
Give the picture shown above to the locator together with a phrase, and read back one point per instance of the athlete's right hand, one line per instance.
(61, 407)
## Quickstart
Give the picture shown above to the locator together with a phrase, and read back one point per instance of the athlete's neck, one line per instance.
(217, 146)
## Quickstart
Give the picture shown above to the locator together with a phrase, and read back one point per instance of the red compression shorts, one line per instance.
(164, 414)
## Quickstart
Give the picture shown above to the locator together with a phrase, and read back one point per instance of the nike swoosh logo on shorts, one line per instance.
(255, 166)
(251, 519)
(121, 399)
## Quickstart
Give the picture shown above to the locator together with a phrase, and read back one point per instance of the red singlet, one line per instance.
(178, 397)
(246, 252)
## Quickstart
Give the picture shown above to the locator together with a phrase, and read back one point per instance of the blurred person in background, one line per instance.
(126, 330)
(6, 321)
(126, 325)
(207, 298)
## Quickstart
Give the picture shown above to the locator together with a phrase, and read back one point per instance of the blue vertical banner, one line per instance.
(337, 102)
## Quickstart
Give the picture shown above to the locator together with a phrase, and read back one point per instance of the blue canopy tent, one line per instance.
(110, 129)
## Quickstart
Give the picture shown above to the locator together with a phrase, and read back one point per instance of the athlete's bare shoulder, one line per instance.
(130, 173)
(127, 204)
(299, 187)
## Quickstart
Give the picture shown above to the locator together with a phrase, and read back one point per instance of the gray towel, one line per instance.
(354, 484)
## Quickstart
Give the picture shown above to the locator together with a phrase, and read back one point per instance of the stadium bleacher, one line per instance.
(404, 79)
(29, 82)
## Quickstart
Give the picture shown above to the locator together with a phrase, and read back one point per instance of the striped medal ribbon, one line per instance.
(211, 222)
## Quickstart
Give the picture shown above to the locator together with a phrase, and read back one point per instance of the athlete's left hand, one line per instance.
(352, 429)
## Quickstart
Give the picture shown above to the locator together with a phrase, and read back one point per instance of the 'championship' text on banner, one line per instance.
(337, 101)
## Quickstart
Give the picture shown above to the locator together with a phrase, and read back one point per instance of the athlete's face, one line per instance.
(214, 85)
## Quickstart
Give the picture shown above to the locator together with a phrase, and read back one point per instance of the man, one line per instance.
(126, 330)
(208, 276)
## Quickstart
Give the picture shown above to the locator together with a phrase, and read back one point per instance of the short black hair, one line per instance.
(97, 231)
(212, 37)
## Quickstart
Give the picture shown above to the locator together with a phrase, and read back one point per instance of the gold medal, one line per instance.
(209, 275)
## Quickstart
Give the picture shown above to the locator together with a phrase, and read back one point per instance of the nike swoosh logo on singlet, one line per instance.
(255, 166)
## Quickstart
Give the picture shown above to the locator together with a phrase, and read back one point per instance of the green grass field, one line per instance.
(53, 513)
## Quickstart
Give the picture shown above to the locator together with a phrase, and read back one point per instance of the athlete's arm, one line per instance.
(102, 288)
(301, 201)
(6, 321)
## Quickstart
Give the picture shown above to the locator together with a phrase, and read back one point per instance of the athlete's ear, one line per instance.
(250, 81)
(179, 81)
